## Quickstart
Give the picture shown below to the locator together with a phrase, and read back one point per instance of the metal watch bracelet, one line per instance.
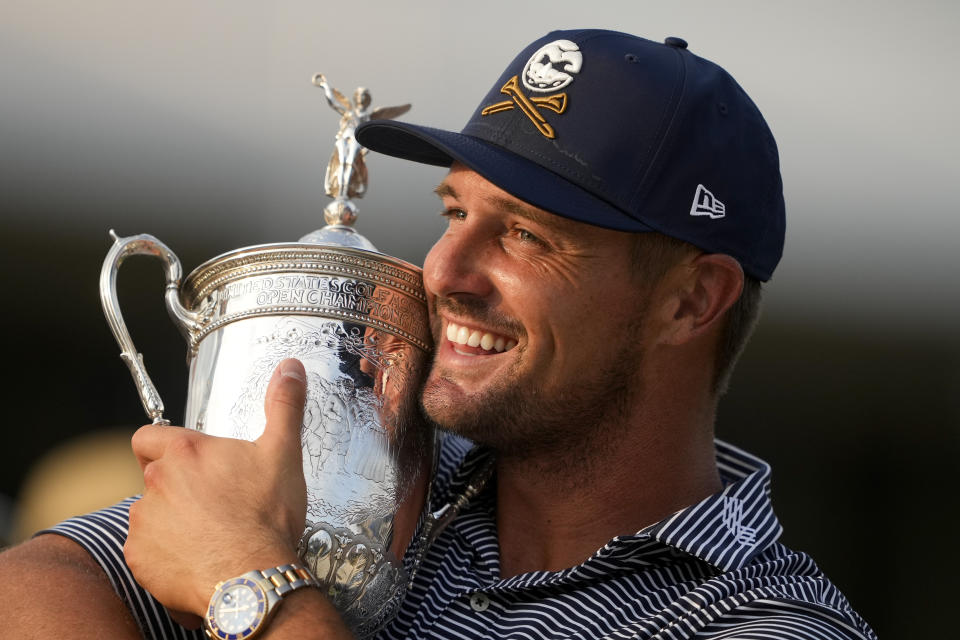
(289, 577)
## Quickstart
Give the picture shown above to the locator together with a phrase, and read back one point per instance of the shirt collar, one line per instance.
(731, 527)
(726, 530)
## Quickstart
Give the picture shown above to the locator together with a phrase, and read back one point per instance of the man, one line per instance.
(612, 207)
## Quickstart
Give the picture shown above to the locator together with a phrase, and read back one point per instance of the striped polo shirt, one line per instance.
(712, 570)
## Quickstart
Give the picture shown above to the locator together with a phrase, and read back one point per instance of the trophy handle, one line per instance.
(122, 248)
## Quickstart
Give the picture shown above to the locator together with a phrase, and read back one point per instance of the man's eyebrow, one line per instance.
(519, 209)
(445, 190)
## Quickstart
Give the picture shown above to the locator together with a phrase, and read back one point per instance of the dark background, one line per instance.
(198, 124)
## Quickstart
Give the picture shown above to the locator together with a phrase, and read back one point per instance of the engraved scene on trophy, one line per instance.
(346, 446)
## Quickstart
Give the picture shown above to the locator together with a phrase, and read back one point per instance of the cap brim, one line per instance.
(517, 176)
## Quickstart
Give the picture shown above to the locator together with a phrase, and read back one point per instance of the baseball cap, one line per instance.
(624, 133)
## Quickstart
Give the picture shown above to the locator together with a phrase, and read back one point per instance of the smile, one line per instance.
(470, 341)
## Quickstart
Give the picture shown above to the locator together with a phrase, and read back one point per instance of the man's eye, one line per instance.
(526, 236)
(454, 214)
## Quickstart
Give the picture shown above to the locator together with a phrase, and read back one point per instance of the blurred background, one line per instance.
(197, 123)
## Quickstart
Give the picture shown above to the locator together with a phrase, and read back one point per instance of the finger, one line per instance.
(283, 406)
(149, 442)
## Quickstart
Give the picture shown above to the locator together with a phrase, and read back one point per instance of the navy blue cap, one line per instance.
(623, 133)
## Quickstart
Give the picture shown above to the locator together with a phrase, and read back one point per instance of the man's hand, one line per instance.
(214, 508)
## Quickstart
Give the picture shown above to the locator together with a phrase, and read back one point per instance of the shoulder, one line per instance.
(785, 619)
(781, 594)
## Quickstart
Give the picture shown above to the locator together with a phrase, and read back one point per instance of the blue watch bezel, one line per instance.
(262, 610)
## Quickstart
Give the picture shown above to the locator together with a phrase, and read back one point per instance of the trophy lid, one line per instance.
(340, 216)
(346, 175)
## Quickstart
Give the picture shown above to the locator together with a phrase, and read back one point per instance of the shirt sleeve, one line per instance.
(102, 534)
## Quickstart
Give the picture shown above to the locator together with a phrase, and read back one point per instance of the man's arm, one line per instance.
(50, 587)
(215, 508)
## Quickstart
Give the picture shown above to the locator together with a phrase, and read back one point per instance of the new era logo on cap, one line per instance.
(706, 204)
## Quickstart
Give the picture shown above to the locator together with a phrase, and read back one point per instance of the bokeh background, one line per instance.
(197, 122)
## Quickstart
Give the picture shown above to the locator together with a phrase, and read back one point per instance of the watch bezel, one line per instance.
(263, 608)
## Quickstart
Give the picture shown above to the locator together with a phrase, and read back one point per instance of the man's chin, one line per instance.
(440, 404)
(445, 405)
(501, 417)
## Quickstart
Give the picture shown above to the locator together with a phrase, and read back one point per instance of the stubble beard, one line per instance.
(559, 432)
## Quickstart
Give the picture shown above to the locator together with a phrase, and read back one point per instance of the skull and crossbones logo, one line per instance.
(551, 67)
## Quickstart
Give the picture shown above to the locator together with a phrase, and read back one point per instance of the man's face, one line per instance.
(537, 321)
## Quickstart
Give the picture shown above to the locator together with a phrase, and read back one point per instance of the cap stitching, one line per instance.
(648, 181)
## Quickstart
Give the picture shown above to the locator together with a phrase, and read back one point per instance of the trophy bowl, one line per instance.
(357, 319)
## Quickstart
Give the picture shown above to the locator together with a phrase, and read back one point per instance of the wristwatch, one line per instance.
(241, 607)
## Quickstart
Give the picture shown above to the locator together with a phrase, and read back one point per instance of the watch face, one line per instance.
(237, 609)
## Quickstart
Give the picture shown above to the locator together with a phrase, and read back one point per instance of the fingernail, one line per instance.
(292, 369)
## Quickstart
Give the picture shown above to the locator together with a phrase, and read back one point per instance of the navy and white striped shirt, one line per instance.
(713, 570)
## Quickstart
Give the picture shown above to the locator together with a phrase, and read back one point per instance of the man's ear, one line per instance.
(709, 285)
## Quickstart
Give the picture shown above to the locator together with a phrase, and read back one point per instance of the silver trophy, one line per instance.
(357, 319)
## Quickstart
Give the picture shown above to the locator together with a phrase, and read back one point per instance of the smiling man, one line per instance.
(612, 205)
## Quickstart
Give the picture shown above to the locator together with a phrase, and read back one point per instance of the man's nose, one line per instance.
(455, 265)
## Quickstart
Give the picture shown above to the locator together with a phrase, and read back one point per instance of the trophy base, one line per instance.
(363, 581)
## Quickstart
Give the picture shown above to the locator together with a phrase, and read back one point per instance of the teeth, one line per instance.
(475, 338)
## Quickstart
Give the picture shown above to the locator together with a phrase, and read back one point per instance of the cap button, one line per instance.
(673, 41)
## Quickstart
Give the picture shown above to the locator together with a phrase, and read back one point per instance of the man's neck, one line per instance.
(554, 511)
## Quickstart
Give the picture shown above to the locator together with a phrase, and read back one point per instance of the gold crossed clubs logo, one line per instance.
(529, 105)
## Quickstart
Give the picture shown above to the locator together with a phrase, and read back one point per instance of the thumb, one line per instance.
(283, 406)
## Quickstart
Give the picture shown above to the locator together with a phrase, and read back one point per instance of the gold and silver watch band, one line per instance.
(288, 577)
